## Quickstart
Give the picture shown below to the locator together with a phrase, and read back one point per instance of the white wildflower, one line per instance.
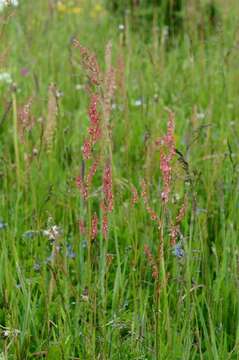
(52, 233)
(59, 94)
(6, 333)
(201, 115)
(5, 77)
(79, 87)
(138, 102)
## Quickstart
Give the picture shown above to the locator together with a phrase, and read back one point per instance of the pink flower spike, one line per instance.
(167, 144)
(82, 186)
(86, 149)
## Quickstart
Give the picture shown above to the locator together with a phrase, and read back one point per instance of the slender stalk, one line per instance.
(15, 138)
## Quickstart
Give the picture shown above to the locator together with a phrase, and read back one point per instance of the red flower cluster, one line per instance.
(135, 196)
(151, 261)
(102, 87)
(82, 186)
(108, 202)
(167, 144)
(89, 62)
(94, 226)
(94, 130)
(108, 187)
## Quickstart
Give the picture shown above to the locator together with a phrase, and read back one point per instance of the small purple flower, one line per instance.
(24, 71)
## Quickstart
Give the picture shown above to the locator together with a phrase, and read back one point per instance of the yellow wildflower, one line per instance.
(68, 7)
(61, 7)
(76, 10)
(98, 10)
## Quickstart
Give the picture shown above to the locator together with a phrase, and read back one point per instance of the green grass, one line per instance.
(103, 303)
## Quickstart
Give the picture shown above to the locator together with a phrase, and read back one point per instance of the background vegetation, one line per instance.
(71, 286)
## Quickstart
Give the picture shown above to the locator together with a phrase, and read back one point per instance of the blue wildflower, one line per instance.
(200, 211)
(49, 259)
(37, 267)
(3, 225)
(30, 234)
(84, 243)
(178, 251)
(70, 253)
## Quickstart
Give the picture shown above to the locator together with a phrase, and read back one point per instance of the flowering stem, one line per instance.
(163, 274)
(15, 137)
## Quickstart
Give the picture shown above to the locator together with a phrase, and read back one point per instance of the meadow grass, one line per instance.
(79, 278)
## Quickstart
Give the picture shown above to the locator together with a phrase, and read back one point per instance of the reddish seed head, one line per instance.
(86, 149)
(105, 225)
(148, 253)
(94, 129)
(155, 272)
(174, 231)
(81, 226)
(79, 182)
(181, 213)
(108, 187)
(167, 144)
(135, 196)
(151, 261)
(109, 259)
(82, 186)
(144, 195)
(26, 120)
(93, 114)
(94, 226)
(89, 62)
(92, 172)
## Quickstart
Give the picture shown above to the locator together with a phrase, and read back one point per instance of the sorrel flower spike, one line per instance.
(167, 152)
